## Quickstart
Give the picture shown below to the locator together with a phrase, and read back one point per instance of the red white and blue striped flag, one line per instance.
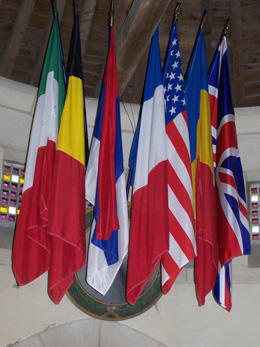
(105, 185)
(232, 220)
(182, 243)
(149, 233)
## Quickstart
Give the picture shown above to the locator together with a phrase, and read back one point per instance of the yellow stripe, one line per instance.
(203, 142)
(205, 149)
(71, 139)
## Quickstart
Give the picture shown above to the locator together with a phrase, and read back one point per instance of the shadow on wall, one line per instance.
(88, 333)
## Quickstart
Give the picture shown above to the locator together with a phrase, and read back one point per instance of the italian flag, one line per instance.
(32, 244)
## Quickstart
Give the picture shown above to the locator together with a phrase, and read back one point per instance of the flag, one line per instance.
(32, 244)
(67, 209)
(105, 185)
(199, 123)
(232, 218)
(182, 243)
(149, 233)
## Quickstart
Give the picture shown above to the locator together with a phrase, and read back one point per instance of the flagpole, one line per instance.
(112, 14)
(54, 6)
(177, 11)
(226, 27)
(203, 20)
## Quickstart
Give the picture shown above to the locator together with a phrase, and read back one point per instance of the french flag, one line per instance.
(105, 186)
(149, 232)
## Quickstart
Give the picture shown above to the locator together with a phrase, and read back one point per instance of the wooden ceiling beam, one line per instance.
(86, 19)
(236, 30)
(35, 77)
(135, 36)
(121, 11)
(20, 26)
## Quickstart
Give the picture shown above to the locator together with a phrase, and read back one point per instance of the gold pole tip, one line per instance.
(112, 14)
(204, 18)
(177, 11)
(226, 26)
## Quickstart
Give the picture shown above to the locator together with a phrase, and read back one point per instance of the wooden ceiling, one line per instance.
(25, 27)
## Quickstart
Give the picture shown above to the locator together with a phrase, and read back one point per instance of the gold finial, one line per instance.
(177, 11)
(226, 27)
(112, 13)
(204, 18)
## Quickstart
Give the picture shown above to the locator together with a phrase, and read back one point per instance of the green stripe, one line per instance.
(53, 63)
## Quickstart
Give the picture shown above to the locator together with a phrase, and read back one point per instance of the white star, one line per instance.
(167, 97)
(178, 87)
(167, 75)
(175, 64)
(180, 77)
(172, 75)
(169, 86)
(183, 102)
(172, 53)
(174, 42)
(175, 98)
(173, 110)
(177, 54)
(164, 90)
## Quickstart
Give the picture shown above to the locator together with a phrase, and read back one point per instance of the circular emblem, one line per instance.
(113, 305)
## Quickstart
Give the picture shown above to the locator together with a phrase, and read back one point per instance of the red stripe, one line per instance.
(108, 221)
(66, 224)
(149, 234)
(180, 191)
(226, 138)
(227, 241)
(178, 143)
(32, 244)
(228, 179)
(172, 270)
(206, 262)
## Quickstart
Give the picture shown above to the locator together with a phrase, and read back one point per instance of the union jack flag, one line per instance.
(182, 243)
(232, 219)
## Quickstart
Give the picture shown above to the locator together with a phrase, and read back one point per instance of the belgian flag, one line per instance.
(67, 215)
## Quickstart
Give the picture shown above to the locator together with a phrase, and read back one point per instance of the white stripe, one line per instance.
(213, 132)
(164, 275)
(92, 172)
(45, 125)
(225, 188)
(227, 118)
(182, 127)
(213, 91)
(151, 147)
(182, 217)
(179, 167)
(100, 275)
(222, 281)
(176, 253)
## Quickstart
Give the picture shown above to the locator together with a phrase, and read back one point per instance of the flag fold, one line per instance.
(105, 185)
(232, 219)
(199, 122)
(32, 244)
(182, 243)
(149, 233)
(67, 209)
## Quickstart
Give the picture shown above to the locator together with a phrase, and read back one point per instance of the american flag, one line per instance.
(182, 244)
(232, 219)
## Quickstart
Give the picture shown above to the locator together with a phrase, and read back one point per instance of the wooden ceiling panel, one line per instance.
(25, 26)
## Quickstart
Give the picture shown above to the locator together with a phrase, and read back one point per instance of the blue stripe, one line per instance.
(225, 105)
(244, 232)
(98, 124)
(110, 246)
(196, 79)
(154, 71)
(119, 165)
